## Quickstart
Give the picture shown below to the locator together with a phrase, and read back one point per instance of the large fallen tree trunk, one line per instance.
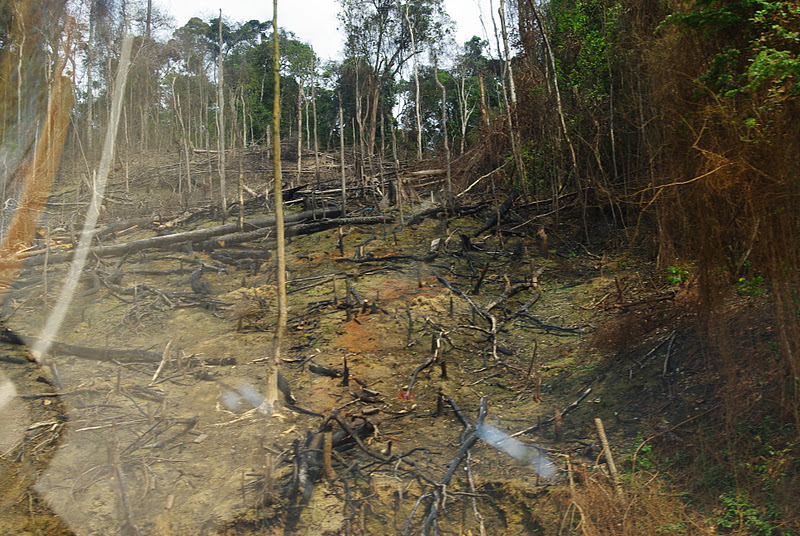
(296, 229)
(103, 354)
(169, 240)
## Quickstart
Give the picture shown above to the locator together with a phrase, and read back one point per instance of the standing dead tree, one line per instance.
(283, 309)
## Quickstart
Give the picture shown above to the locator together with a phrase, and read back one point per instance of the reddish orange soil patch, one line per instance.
(392, 289)
(362, 335)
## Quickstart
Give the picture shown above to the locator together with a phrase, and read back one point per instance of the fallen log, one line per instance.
(296, 229)
(105, 354)
(414, 219)
(425, 172)
(169, 240)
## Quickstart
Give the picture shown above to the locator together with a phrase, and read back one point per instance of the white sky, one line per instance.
(314, 21)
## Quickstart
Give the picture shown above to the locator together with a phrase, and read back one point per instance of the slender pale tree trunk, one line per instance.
(221, 125)
(398, 179)
(177, 103)
(341, 156)
(509, 105)
(308, 125)
(316, 138)
(20, 20)
(149, 18)
(509, 71)
(557, 92)
(417, 103)
(283, 308)
(244, 119)
(90, 86)
(464, 109)
(299, 131)
(359, 120)
(484, 110)
(444, 132)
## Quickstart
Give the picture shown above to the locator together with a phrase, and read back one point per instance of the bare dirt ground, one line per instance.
(177, 442)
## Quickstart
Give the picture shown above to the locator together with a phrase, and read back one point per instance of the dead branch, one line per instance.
(551, 419)
(514, 289)
(498, 215)
(437, 496)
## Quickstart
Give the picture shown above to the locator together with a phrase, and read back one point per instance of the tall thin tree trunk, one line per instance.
(221, 125)
(283, 308)
(308, 125)
(299, 131)
(244, 119)
(148, 21)
(507, 57)
(90, 86)
(316, 139)
(484, 110)
(508, 75)
(176, 100)
(444, 132)
(464, 109)
(360, 137)
(341, 156)
(240, 191)
(20, 20)
(557, 92)
(398, 179)
(417, 103)
(127, 150)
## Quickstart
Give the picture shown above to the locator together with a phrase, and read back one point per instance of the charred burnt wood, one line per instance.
(356, 296)
(436, 351)
(417, 218)
(345, 374)
(242, 260)
(397, 257)
(484, 314)
(351, 435)
(304, 411)
(11, 337)
(13, 360)
(199, 287)
(438, 494)
(460, 414)
(477, 289)
(466, 243)
(325, 224)
(536, 323)
(235, 257)
(324, 371)
(233, 239)
(511, 291)
(497, 216)
(283, 387)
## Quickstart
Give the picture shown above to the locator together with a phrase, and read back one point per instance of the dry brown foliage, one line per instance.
(644, 508)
